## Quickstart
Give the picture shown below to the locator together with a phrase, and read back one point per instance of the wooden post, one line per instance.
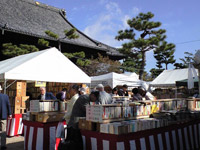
(176, 92)
(59, 45)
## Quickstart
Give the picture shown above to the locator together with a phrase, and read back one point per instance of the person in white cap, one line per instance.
(104, 98)
(5, 113)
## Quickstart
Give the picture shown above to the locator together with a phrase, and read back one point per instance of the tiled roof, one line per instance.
(34, 18)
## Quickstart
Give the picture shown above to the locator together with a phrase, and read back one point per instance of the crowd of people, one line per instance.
(76, 106)
(136, 94)
(105, 97)
(79, 98)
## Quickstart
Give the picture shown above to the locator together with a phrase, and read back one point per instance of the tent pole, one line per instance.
(5, 86)
(11, 84)
(176, 92)
(90, 87)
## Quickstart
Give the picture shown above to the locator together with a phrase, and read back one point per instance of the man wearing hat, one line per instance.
(5, 113)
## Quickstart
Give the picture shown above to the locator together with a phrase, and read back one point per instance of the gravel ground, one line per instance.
(15, 143)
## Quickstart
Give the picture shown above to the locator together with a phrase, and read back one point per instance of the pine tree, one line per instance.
(164, 54)
(11, 50)
(155, 72)
(52, 34)
(71, 34)
(189, 58)
(79, 57)
(43, 42)
(149, 38)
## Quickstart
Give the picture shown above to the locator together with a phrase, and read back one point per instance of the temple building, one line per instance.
(25, 21)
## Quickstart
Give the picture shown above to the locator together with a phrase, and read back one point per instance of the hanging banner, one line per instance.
(40, 84)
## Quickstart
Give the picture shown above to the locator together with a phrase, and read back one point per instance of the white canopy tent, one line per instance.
(168, 78)
(113, 79)
(48, 65)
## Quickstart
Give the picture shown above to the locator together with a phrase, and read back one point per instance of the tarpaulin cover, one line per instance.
(48, 65)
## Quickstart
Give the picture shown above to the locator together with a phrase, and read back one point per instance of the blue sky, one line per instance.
(102, 19)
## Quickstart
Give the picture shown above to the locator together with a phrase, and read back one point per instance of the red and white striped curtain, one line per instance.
(14, 126)
(40, 136)
(175, 137)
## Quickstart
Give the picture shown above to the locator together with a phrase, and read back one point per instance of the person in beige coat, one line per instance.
(74, 90)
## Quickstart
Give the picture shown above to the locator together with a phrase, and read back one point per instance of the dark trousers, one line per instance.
(3, 132)
(73, 141)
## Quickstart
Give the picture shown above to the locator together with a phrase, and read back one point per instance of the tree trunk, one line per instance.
(141, 72)
(166, 66)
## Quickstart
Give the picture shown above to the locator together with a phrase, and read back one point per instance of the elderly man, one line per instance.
(104, 98)
(5, 112)
(45, 95)
(83, 90)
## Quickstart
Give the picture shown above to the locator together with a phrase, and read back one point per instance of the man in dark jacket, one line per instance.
(123, 91)
(62, 94)
(5, 113)
(74, 138)
(46, 95)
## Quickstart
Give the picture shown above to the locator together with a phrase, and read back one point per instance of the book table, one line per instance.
(180, 136)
